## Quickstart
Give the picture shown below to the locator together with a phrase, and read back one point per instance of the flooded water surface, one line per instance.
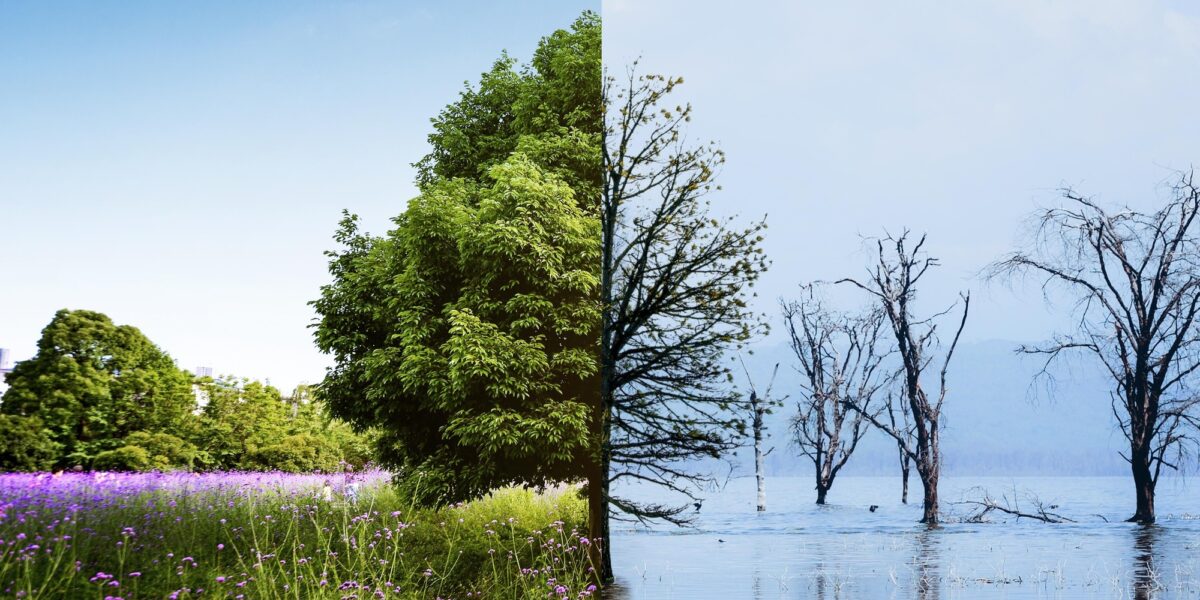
(844, 550)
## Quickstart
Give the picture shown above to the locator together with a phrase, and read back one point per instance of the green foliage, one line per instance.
(246, 425)
(167, 452)
(555, 99)
(468, 335)
(299, 453)
(92, 383)
(486, 330)
(239, 416)
(214, 538)
(25, 445)
(125, 458)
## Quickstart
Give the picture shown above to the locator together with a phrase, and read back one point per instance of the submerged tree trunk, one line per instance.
(758, 453)
(1143, 481)
(904, 470)
(930, 484)
(822, 491)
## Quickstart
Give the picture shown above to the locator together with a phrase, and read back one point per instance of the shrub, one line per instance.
(167, 452)
(299, 453)
(125, 458)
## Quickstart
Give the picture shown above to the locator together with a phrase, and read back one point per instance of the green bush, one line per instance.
(25, 445)
(125, 458)
(299, 453)
(167, 452)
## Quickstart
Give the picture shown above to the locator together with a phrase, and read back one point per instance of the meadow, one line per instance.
(121, 536)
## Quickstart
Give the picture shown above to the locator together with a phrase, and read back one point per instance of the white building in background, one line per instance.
(5, 367)
(204, 372)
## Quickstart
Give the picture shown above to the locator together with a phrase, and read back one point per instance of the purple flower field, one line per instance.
(277, 535)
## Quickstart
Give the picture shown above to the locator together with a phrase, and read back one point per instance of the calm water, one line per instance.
(842, 550)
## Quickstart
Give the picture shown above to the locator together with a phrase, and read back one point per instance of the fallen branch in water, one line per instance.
(987, 504)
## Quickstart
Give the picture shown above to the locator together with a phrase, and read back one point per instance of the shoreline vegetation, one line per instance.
(119, 536)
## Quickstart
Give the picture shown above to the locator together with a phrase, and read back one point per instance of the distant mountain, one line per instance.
(997, 419)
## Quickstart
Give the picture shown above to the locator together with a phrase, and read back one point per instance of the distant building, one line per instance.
(5, 367)
(204, 372)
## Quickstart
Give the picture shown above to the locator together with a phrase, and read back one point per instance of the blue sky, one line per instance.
(841, 119)
(181, 166)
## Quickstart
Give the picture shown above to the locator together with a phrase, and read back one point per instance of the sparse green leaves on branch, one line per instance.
(676, 281)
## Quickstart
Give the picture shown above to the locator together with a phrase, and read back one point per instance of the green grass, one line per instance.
(279, 538)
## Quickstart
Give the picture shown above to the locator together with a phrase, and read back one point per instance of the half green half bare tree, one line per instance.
(674, 288)
(1135, 277)
(893, 283)
(841, 357)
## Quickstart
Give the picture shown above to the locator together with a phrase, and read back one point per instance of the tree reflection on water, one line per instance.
(926, 563)
(1145, 580)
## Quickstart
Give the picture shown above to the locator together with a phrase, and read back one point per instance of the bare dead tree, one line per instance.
(893, 283)
(841, 358)
(1135, 277)
(674, 288)
(760, 406)
(985, 504)
(894, 405)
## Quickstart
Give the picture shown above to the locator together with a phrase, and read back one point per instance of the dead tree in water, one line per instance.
(759, 408)
(894, 405)
(1136, 279)
(893, 282)
(841, 358)
(986, 505)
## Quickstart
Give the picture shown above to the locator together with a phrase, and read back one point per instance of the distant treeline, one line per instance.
(103, 396)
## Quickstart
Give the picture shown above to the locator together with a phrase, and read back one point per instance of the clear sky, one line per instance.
(181, 166)
(841, 119)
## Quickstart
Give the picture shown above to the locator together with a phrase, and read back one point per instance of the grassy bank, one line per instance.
(268, 535)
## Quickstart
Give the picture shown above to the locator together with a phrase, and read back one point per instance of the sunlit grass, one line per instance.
(275, 536)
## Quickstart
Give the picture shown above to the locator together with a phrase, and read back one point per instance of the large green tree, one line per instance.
(468, 335)
(92, 383)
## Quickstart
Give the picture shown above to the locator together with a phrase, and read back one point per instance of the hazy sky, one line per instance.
(955, 118)
(182, 166)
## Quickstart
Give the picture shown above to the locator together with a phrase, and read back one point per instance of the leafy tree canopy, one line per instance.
(550, 108)
(92, 382)
(25, 445)
(467, 335)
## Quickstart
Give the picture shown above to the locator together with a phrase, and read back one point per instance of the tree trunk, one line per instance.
(597, 523)
(822, 490)
(758, 453)
(606, 569)
(598, 492)
(904, 479)
(929, 481)
(1143, 481)
(762, 481)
